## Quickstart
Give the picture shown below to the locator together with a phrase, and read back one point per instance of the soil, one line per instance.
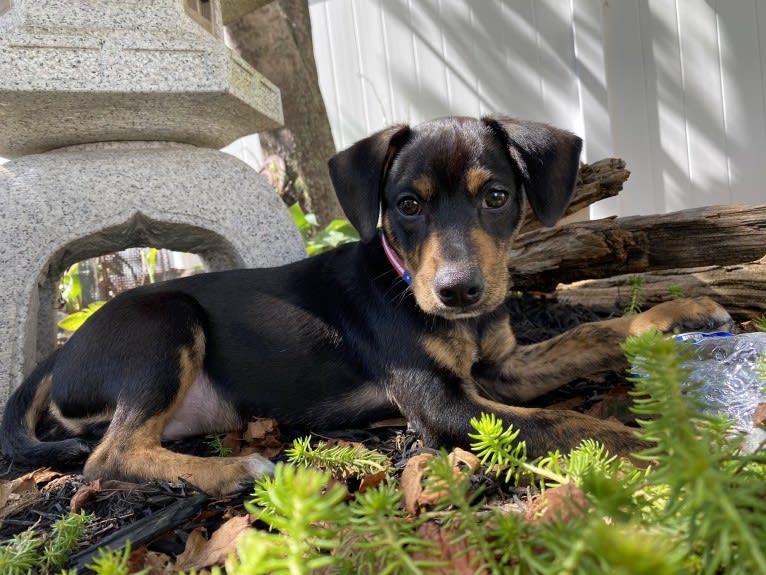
(160, 516)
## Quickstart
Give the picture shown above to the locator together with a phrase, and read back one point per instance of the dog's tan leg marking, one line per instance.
(131, 449)
(533, 370)
(39, 405)
(688, 314)
(544, 429)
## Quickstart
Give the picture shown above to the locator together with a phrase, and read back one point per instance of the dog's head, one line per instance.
(452, 194)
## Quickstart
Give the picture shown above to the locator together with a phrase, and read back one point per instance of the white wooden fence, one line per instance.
(675, 87)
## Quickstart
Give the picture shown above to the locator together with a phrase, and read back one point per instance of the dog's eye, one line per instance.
(495, 198)
(409, 206)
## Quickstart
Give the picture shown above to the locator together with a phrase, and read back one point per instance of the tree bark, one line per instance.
(740, 288)
(714, 235)
(276, 41)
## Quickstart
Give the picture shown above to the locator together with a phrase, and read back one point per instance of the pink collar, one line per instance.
(396, 262)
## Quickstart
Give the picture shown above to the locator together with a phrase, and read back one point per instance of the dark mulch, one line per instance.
(161, 515)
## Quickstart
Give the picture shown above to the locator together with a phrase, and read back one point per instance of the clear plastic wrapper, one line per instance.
(726, 370)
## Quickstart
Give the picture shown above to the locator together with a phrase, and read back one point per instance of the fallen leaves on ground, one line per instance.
(560, 503)
(417, 493)
(412, 481)
(458, 558)
(84, 495)
(17, 493)
(373, 480)
(261, 436)
(201, 552)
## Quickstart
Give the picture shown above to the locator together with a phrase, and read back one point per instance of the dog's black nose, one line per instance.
(459, 288)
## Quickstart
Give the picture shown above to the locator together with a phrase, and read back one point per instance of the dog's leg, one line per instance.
(131, 448)
(443, 419)
(527, 372)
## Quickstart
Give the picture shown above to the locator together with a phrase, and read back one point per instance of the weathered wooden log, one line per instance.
(596, 181)
(714, 235)
(144, 529)
(740, 288)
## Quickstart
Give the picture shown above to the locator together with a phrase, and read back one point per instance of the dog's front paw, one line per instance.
(682, 315)
(258, 466)
(255, 467)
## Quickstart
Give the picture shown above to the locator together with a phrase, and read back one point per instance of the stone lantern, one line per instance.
(113, 114)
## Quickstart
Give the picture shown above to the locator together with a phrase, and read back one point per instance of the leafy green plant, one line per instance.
(498, 447)
(384, 539)
(676, 292)
(298, 504)
(340, 460)
(70, 289)
(32, 552)
(459, 510)
(699, 507)
(149, 261)
(111, 562)
(65, 538)
(636, 299)
(74, 320)
(760, 323)
(336, 233)
(21, 554)
(215, 441)
(715, 495)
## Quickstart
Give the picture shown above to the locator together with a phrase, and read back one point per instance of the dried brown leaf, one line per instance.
(233, 442)
(17, 494)
(456, 554)
(263, 437)
(20, 492)
(84, 495)
(461, 456)
(43, 475)
(372, 480)
(58, 483)
(412, 481)
(417, 494)
(560, 503)
(260, 428)
(336, 442)
(268, 448)
(201, 552)
(759, 417)
(6, 489)
(137, 559)
(158, 563)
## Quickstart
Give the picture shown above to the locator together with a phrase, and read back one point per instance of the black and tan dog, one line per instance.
(409, 320)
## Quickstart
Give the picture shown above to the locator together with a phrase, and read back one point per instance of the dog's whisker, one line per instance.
(388, 272)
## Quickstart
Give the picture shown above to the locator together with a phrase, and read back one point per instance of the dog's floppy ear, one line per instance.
(358, 174)
(548, 159)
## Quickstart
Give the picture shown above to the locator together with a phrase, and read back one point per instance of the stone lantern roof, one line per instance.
(76, 72)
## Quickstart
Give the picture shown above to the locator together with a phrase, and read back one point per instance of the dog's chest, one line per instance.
(460, 346)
